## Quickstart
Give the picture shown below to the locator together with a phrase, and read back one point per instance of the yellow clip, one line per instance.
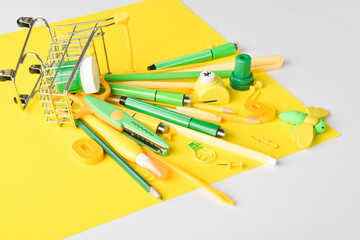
(264, 141)
(88, 151)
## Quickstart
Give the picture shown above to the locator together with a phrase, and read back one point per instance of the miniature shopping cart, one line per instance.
(68, 43)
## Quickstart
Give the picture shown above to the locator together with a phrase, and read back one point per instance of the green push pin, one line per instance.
(242, 78)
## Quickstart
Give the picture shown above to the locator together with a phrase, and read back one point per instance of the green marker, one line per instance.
(209, 54)
(173, 98)
(171, 116)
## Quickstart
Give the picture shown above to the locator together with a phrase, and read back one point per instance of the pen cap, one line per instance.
(172, 98)
(224, 50)
(204, 127)
(242, 78)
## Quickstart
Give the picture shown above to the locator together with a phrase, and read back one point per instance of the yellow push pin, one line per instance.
(232, 164)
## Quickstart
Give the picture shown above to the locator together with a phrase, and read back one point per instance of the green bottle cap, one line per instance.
(242, 78)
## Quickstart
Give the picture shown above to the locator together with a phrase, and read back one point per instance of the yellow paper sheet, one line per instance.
(47, 194)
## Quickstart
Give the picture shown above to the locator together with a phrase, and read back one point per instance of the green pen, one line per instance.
(173, 98)
(171, 116)
(206, 55)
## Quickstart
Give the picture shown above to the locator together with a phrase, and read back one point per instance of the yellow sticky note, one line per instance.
(46, 193)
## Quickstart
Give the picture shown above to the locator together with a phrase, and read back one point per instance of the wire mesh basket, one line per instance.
(68, 43)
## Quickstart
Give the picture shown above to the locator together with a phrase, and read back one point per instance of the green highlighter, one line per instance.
(206, 55)
(173, 98)
(171, 116)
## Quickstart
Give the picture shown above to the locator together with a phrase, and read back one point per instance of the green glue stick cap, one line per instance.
(242, 78)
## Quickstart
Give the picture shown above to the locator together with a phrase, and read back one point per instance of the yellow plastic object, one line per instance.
(199, 114)
(210, 88)
(122, 19)
(304, 132)
(264, 141)
(256, 109)
(151, 123)
(220, 195)
(88, 151)
(265, 63)
(124, 146)
(231, 164)
(78, 197)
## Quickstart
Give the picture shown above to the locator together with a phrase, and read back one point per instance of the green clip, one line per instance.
(204, 155)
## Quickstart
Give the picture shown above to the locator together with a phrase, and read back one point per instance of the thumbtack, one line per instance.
(232, 164)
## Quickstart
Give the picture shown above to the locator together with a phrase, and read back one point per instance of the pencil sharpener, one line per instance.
(210, 88)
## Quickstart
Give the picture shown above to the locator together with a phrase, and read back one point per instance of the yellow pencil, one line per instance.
(194, 114)
(237, 118)
(212, 108)
(265, 63)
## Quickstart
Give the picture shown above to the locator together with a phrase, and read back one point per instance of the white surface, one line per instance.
(313, 194)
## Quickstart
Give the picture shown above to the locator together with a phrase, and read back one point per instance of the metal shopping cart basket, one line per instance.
(68, 43)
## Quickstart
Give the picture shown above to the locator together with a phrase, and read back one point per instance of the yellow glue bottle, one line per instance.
(210, 88)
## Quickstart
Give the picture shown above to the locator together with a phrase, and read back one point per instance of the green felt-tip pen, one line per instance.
(173, 98)
(206, 55)
(171, 116)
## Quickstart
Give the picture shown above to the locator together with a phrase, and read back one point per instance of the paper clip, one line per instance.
(264, 141)
(207, 155)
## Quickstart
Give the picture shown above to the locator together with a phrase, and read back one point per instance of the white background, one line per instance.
(313, 194)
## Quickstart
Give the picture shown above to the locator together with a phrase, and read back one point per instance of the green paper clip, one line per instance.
(201, 153)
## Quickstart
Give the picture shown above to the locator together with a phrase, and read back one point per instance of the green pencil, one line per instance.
(145, 185)
(160, 76)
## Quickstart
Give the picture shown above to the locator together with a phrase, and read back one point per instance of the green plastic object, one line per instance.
(170, 116)
(224, 50)
(172, 98)
(122, 90)
(242, 78)
(161, 76)
(206, 55)
(63, 74)
(189, 59)
(129, 123)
